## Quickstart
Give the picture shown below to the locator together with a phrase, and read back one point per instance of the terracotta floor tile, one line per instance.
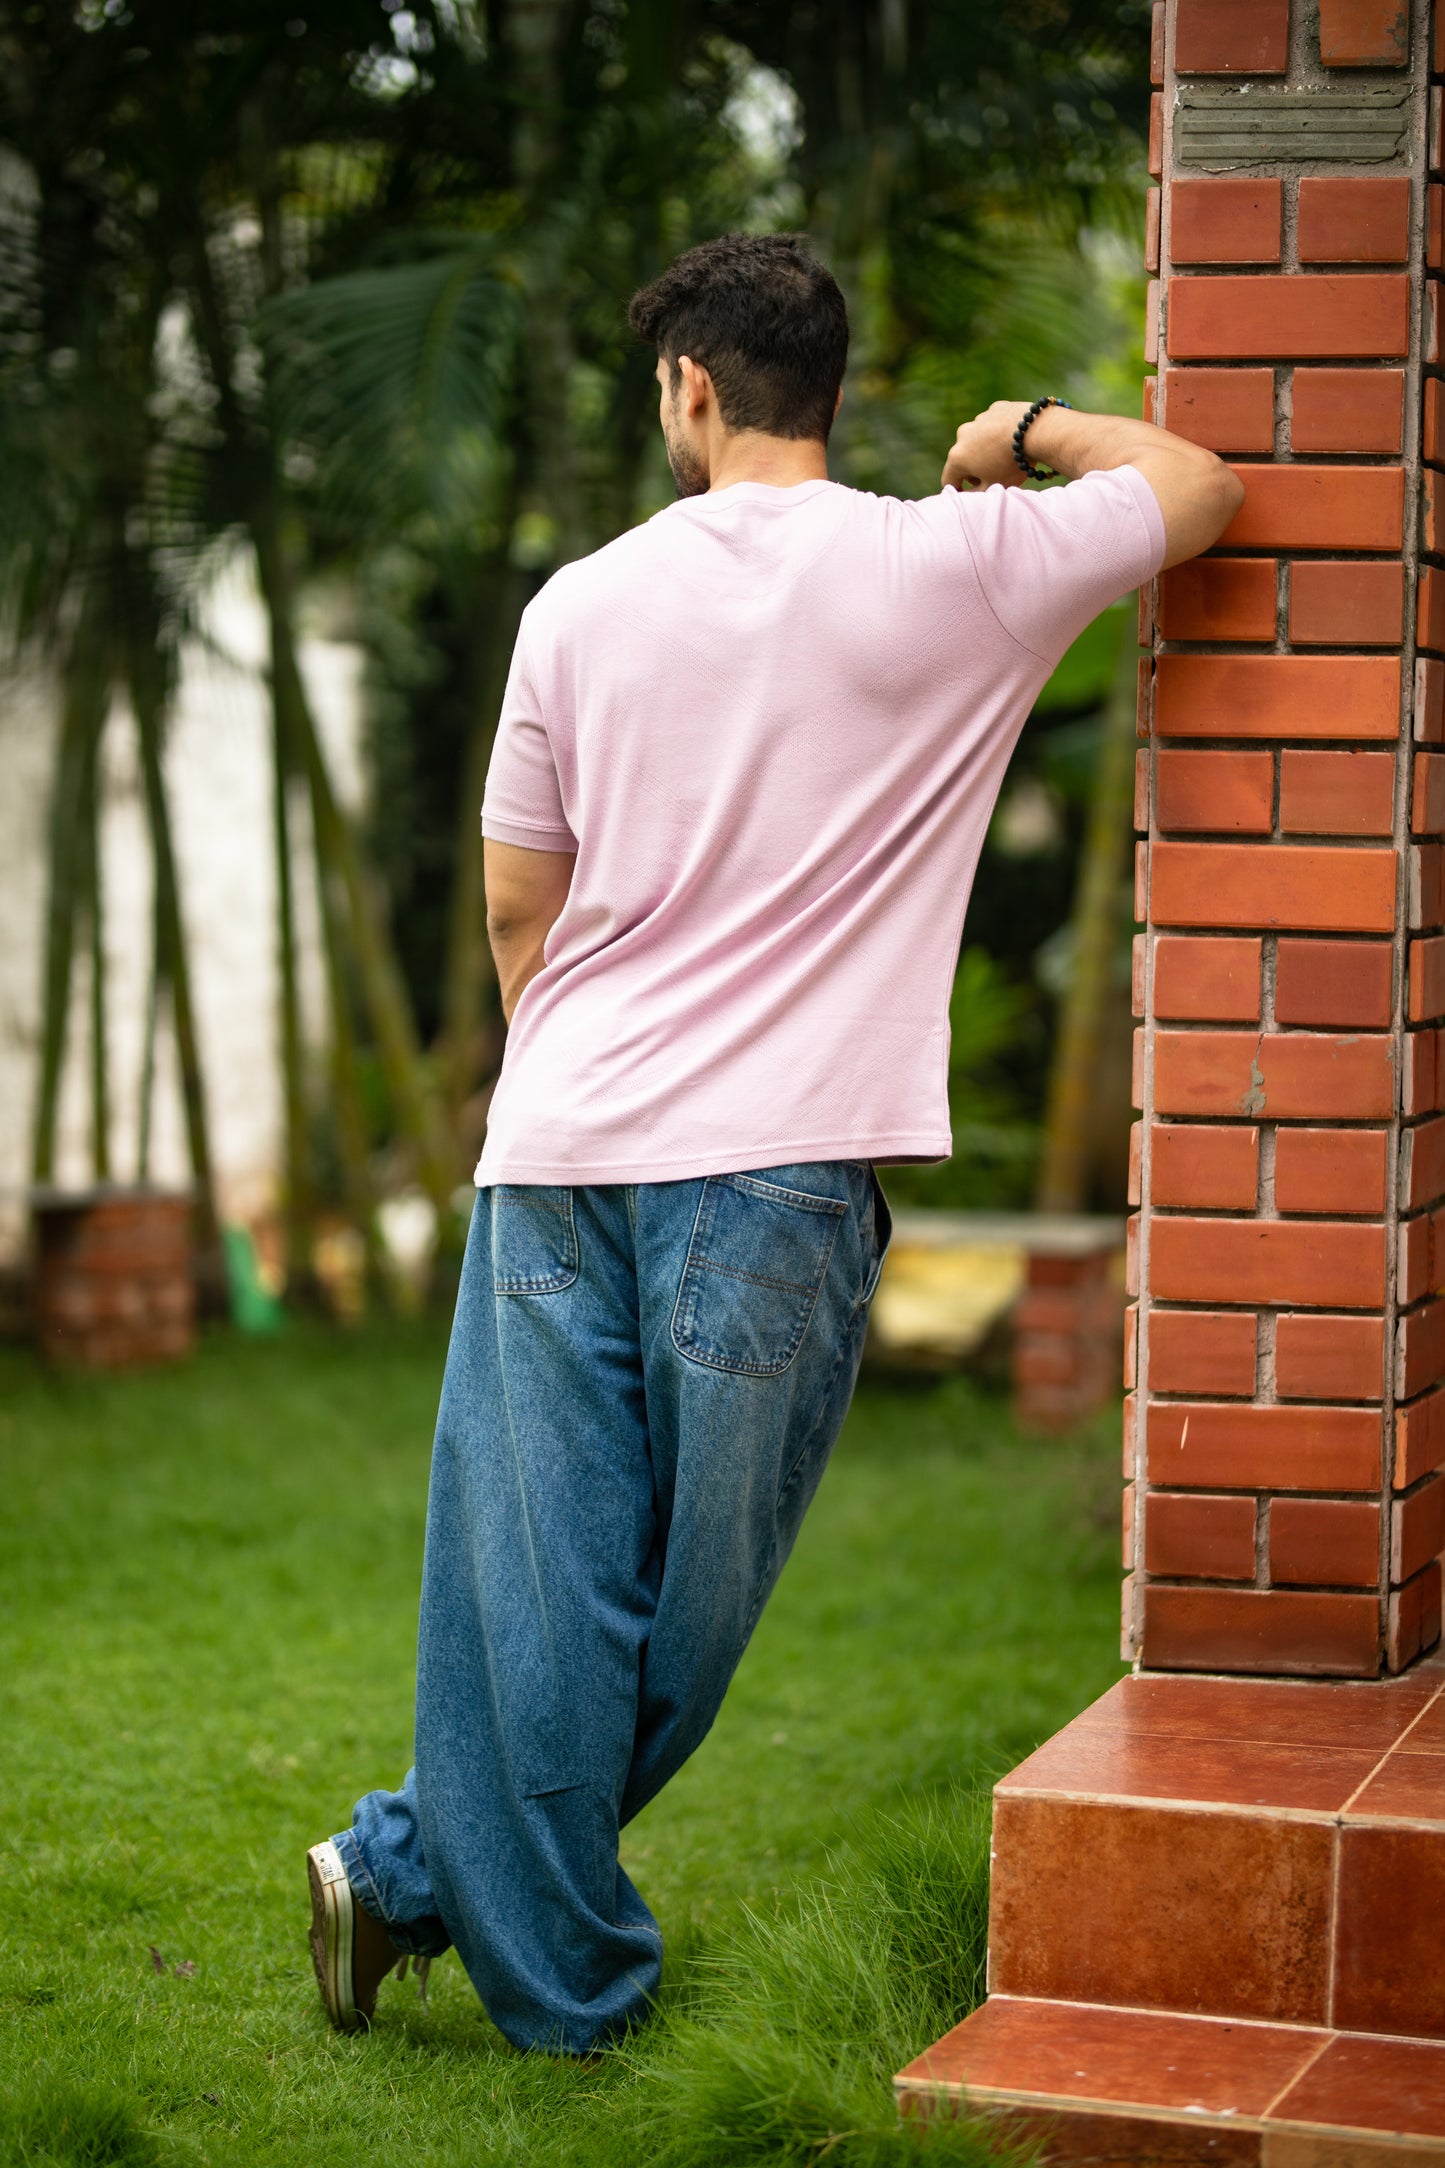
(1078, 2138)
(1390, 1931)
(1126, 1764)
(1377, 2085)
(1428, 1736)
(1142, 2058)
(1161, 1908)
(1370, 1716)
(1409, 1786)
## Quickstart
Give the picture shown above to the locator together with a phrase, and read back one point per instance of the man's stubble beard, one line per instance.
(688, 470)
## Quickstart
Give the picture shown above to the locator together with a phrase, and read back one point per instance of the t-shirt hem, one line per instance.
(526, 835)
(738, 1159)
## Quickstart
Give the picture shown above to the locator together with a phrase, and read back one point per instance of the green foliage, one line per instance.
(994, 1140)
(207, 1620)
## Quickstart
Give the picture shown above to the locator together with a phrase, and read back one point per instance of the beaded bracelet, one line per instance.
(1021, 457)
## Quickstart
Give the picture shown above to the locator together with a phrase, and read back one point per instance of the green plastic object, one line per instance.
(253, 1309)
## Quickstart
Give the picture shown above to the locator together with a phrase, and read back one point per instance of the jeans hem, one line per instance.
(413, 1939)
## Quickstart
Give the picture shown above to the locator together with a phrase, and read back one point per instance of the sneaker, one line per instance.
(352, 1952)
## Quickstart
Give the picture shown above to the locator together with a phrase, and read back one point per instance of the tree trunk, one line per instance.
(299, 1203)
(1070, 1127)
(173, 968)
(87, 690)
(91, 896)
(469, 972)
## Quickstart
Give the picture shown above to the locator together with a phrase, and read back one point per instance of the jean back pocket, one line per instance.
(759, 1251)
(534, 1239)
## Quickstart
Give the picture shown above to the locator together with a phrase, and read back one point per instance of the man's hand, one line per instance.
(1198, 495)
(983, 450)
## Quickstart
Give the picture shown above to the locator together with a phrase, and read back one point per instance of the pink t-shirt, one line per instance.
(772, 723)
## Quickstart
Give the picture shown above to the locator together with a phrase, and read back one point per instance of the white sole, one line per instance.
(333, 1919)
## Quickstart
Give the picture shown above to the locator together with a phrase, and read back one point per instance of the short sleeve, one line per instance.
(1050, 560)
(523, 799)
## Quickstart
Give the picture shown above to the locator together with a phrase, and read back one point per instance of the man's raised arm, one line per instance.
(1198, 495)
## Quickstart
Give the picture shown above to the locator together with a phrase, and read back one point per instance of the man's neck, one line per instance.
(747, 455)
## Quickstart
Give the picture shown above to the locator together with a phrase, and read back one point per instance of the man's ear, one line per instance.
(696, 387)
(837, 402)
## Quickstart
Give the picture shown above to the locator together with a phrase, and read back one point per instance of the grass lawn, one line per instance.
(208, 1586)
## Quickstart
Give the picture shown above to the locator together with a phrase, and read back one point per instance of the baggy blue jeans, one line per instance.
(642, 1390)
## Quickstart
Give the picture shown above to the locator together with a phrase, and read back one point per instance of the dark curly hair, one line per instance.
(765, 319)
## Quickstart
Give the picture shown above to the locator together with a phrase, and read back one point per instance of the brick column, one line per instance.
(1218, 1903)
(1286, 1424)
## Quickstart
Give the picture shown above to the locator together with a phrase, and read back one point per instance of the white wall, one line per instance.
(218, 782)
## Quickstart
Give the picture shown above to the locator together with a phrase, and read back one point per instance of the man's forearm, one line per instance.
(1075, 444)
(1198, 495)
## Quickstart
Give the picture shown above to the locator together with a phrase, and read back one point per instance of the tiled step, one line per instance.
(1264, 1850)
(1120, 2086)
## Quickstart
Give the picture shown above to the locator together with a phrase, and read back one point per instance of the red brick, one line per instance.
(1435, 146)
(1319, 508)
(1209, 1446)
(1226, 410)
(1141, 883)
(1261, 316)
(1420, 1074)
(1427, 978)
(1310, 1634)
(1427, 796)
(1197, 1168)
(1156, 42)
(1231, 37)
(1204, 981)
(1427, 885)
(1156, 159)
(1435, 224)
(1141, 797)
(1225, 221)
(1428, 711)
(1432, 438)
(1354, 221)
(1131, 1417)
(1127, 1531)
(1280, 1076)
(1430, 608)
(1419, 1437)
(1214, 793)
(1346, 605)
(1313, 890)
(1346, 410)
(1432, 513)
(1144, 697)
(1420, 1349)
(1330, 1171)
(1277, 1264)
(1219, 598)
(1337, 794)
(1422, 1165)
(1202, 1351)
(1191, 1538)
(1334, 982)
(1437, 55)
(1151, 231)
(1364, 33)
(1324, 1542)
(1413, 1620)
(1329, 1358)
(1277, 696)
(1417, 1529)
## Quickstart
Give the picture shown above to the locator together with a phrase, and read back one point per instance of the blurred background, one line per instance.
(313, 366)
